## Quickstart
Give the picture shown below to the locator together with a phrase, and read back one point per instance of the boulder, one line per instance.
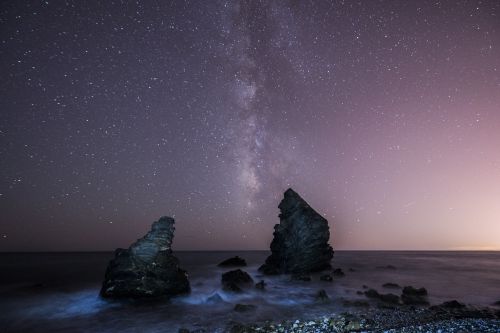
(321, 296)
(215, 299)
(391, 285)
(236, 280)
(386, 298)
(261, 285)
(301, 277)
(147, 268)
(233, 262)
(326, 277)
(413, 296)
(454, 304)
(338, 272)
(300, 243)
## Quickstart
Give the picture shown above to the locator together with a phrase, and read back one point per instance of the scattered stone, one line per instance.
(338, 272)
(386, 298)
(244, 307)
(355, 303)
(147, 268)
(413, 296)
(326, 277)
(390, 285)
(236, 280)
(261, 285)
(301, 277)
(233, 262)
(452, 305)
(215, 299)
(322, 296)
(300, 243)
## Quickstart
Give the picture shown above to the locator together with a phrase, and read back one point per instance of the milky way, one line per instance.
(383, 115)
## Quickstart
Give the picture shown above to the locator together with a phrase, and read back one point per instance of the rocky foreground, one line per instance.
(442, 319)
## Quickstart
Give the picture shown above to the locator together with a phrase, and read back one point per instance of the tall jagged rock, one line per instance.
(147, 268)
(300, 243)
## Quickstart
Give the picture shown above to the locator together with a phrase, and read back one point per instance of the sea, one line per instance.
(59, 292)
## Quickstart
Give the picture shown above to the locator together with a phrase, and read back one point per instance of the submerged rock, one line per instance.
(233, 262)
(301, 277)
(321, 296)
(300, 243)
(215, 299)
(326, 277)
(236, 280)
(261, 285)
(454, 304)
(386, 298)
(338, 272)
(391, 285)
(147, 268)
(413, 296)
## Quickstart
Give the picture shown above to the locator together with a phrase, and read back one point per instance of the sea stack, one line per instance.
(147, 268)
(300, 243)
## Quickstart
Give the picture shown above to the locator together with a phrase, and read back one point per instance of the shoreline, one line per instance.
(437, 318)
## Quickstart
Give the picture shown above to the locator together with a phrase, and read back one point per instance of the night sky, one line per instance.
(383, 115)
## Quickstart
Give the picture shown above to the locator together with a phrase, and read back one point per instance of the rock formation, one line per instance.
(147, 268)
(236, 281)
(300, 243)
(233, 262)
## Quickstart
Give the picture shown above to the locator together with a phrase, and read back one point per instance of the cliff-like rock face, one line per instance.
(147, 268)
(300, 243)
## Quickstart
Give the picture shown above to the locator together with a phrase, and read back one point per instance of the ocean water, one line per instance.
(58, 292)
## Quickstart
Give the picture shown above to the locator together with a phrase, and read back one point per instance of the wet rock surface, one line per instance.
(233, 262)
(236, 281)
(326, 277)
(390, 285)
(414, 296)
(386, 298)
(300, 243)
(147, 268)
(261, 285)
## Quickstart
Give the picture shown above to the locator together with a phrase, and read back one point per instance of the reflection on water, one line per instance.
(44, 292)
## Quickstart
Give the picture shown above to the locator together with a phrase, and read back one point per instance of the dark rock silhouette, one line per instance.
(215, 299)
(338, 272)
(454, 304)
(321, 296)
(147, 268)
(326, 277)
(413, 296)
(236, 280)
(261, 285)
(233, 262)
(300, 243)
(390, 285)
(300, 277)
(386, 298)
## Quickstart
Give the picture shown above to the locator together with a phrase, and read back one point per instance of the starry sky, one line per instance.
(384, 115)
